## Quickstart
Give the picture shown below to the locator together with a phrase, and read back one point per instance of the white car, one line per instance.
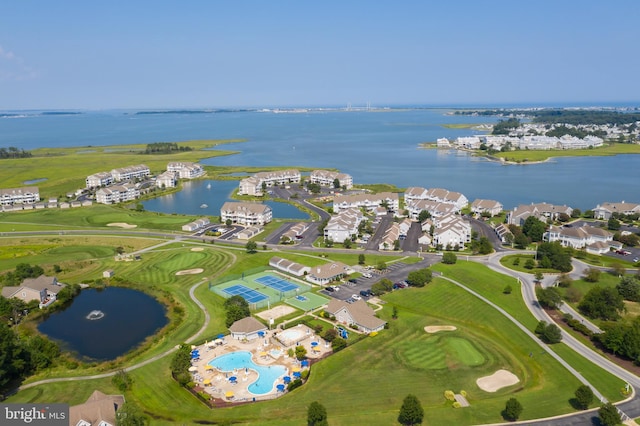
(356, 297)
(367, 275)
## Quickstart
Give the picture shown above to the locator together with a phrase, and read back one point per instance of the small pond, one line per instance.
(103, 324)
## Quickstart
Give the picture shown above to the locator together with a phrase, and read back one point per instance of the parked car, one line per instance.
(367, 275)
(356, 297)
(636, 259)
(353, 280)
(366, 293)
(330, 289)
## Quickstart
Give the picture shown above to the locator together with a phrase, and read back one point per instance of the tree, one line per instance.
(592, 275)
(180, 364)
(346, 243)
(251, 247)
(411, 412)
(419, 277)
(613, 224)
(584, 397)
(449, 258)
(508, 289)
(236, 308)
(122, 380)
(484, 246)
(316, 414)
(381, 266)
(423, 215)
(602, 302)
(608, 415)
(336, 183)
(555, 256)
(629, 288)
(512, 409)
(228, 222)
(396, 245)
(549, 297)
(361, 259)
(300, 352)
(529, 263)
(534, 228)
(130, 415)
(338, 344)
(538, 276)
(521, 241)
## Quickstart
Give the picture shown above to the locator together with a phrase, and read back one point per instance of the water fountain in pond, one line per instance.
(95, 315)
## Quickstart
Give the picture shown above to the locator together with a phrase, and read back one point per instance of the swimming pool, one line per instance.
(267, 374)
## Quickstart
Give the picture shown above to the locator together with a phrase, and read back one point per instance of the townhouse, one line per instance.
(99, 179)
(185, 169)
(44, 289)
(357, 314)
(295, 231)
(139, 171)
(327, 178)
(391, 235)
(253, 184)
(490, 207)
(196, 224)
(606, 210)
(285, 265)
(370, 202)
(117, 193)
(542, 211)
(435, 208)
(246, 213)
(594, 240)
(414, 194)
(451, 231)
(24, 195)
(344, 225)
(167, 179)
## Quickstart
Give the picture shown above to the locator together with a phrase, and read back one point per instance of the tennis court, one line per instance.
(251, 296)
(276, 283)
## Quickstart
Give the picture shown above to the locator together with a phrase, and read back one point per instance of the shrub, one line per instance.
(449, 395)
(456, 404)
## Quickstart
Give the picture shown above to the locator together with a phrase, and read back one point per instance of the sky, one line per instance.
(230, 54)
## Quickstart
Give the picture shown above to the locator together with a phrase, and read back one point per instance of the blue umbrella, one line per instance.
(233, 378)
(296, 374)
(280, 388)
(314, 343)
(261, 333)
(304, 363)
(286, 379)
(220, 336)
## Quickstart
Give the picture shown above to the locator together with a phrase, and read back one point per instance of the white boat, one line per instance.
(203, 206)
(208, 186)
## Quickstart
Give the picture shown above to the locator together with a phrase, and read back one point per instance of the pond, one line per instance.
(206, 197)
(34, 181)
(103, 324)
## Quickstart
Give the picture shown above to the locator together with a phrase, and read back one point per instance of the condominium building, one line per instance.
(24, 195)
(117, 193)
(186, 169)
(130, 172)
(328, 178)
(246, 213)
(253, 185)
(370, 202)
(99, 179)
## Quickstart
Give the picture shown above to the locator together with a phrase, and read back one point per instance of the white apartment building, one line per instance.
(99, 179)
(185, 169)
(24, 195)
(130, 172)
(117, 193)
(391, 235)
(369, 202)
(344, 225)
(542, 211)
(167, 179)
(246, 213)
(253, 184)
(327, 178)
(606, 210)
(589, 237)
(435, 208)
(491, 207)
(451, 230)
(416, 193)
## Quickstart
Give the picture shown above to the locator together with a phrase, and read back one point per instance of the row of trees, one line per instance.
(13, 152)
(165, 148)
(236, 308)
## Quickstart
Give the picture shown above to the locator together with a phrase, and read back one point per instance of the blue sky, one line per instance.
(169, 54)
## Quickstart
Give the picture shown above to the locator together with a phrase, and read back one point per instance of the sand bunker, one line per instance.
(498, 380)
(197, 249)
(190, 271)
(276, 312)
(437, 328)
(122, 225)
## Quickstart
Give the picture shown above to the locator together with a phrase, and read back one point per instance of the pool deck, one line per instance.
(217, 384)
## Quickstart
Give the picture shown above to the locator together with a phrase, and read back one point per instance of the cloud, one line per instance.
(13, 67)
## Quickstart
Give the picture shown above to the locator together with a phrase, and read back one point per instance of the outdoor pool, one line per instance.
(267, 374)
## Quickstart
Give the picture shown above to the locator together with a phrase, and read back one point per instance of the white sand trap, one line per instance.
(498, 380)
(197, 249)
(276, 312)
(122, 225)
(437, 328)
(190, 271)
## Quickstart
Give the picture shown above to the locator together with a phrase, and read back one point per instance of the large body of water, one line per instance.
(373, 146)
(105, 324)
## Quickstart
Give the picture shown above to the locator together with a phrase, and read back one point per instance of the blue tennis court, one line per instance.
(277, 283)
(251, 296)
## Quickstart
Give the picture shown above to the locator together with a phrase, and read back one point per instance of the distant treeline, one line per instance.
(191, 111)
(565, 116)
(13, 152)
(165, 148)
